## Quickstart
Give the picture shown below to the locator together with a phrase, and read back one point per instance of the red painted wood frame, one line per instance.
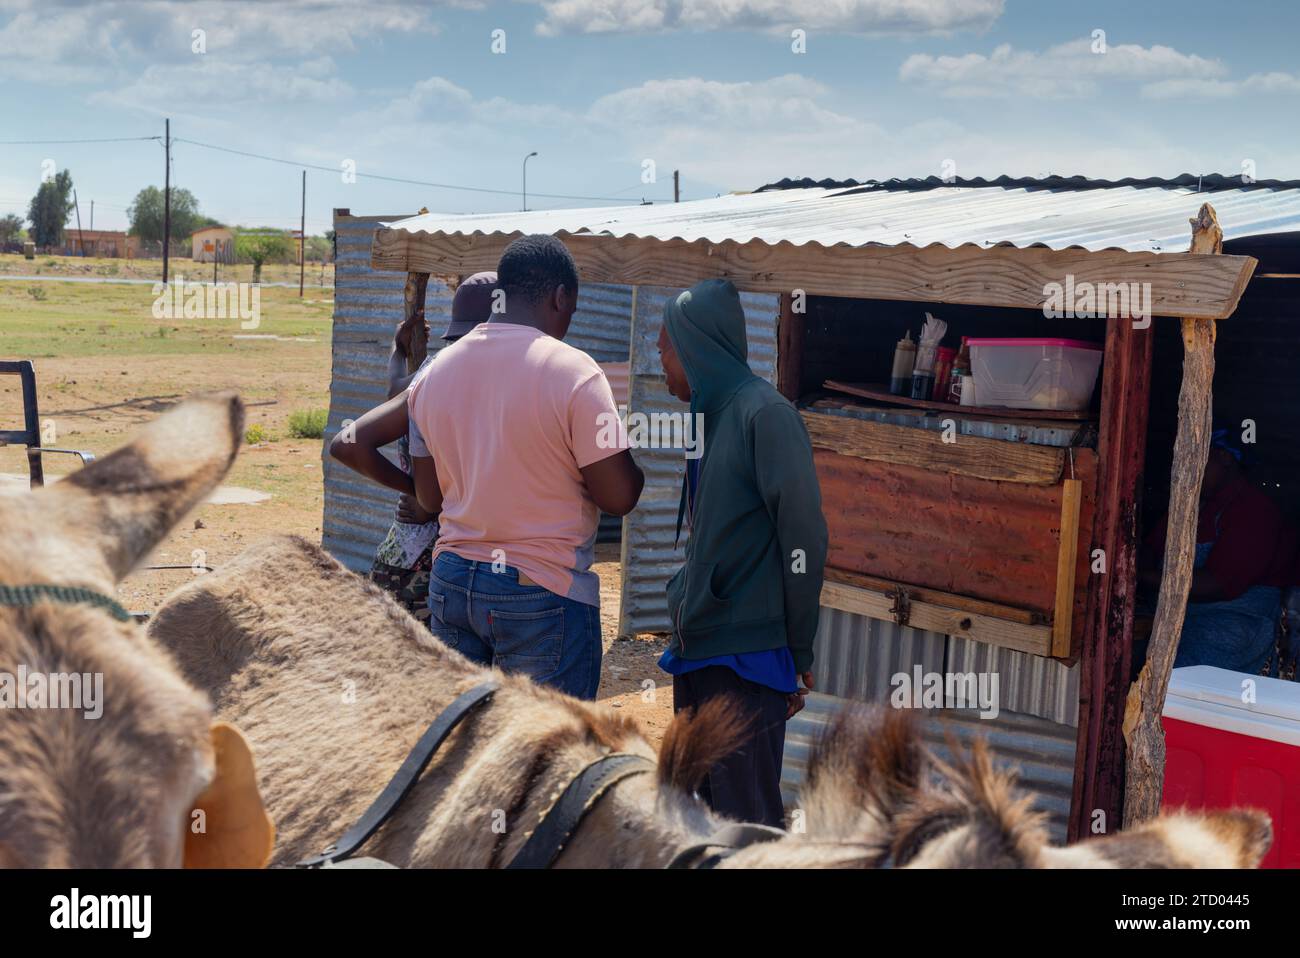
(1106, 650)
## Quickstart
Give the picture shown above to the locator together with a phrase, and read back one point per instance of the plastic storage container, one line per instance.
(1034, 373)
(1224, 753)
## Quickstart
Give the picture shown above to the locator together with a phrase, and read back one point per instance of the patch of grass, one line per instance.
(308, 423)
(256, 433)
(37, 293)
(118, 319)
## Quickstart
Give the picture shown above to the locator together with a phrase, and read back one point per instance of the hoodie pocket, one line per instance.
(701, 606)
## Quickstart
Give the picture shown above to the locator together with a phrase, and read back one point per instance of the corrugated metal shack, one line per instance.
(950, 557)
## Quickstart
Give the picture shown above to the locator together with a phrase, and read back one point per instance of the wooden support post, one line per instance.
(1106, 644)
(1143, 732)
(789, 348)
(1067, 560)
(413, 315)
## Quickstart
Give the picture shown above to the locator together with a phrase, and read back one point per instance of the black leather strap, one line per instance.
(729, 838)
(557, 827)
(406, 777)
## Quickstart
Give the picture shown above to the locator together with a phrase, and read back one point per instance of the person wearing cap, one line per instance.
(1244, 555)
(517, 445)
(744, 606)
(404, 559)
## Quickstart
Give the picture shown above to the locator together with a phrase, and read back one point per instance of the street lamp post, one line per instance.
(526, 158)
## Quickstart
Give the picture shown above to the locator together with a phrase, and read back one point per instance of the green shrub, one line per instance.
(256, 433)
(308, 423)
(37, 293)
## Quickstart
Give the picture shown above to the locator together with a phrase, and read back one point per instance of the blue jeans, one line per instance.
(491, 619)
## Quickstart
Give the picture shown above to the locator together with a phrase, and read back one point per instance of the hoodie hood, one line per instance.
(706, 325)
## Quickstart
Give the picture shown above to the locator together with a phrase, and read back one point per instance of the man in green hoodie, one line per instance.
(744, 607)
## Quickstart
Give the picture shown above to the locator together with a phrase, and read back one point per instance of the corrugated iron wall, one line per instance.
(649, 557)
(367, 308)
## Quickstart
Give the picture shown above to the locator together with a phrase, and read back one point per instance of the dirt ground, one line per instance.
(104, 366)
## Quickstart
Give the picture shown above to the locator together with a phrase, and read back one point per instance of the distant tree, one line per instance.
(11, 228)
(146, 214)
(319, 248)
(259, 246)
(49, 210)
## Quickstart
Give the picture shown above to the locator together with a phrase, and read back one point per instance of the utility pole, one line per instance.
(677, 186)
(167, 195)
(302, 236)
(92, 216)
(81, 239)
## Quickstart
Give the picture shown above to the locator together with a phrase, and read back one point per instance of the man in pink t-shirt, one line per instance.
(517, 445)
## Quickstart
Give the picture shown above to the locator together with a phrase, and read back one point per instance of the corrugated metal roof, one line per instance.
(1132, 217)
(367, 308)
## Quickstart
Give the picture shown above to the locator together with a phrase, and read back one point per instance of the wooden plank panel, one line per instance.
(936, 597)
(996, 541)
(1035, 639)
(1181, 284)
(975, 456)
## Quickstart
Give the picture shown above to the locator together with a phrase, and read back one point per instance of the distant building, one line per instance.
(213, 242)
(110, 243)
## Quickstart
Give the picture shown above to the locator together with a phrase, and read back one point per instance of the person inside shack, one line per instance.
(1245, 552)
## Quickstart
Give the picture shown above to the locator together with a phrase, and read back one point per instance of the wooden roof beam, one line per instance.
(1181, 284)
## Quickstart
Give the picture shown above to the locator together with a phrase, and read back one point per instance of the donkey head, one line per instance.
(876, 797)
(872, 779)
(107, 757)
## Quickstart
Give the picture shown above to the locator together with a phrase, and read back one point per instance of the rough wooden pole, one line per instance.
(413, 315)
(1143, 732)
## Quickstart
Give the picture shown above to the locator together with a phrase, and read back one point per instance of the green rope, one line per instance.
(24, 596)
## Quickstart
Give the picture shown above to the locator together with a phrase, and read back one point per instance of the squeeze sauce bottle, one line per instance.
(900, 378)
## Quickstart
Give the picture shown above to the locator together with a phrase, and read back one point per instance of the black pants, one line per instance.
(746, 785)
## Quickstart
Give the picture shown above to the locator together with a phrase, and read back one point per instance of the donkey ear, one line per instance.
(125, 503)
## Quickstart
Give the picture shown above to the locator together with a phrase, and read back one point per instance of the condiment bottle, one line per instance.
(900, 378)
(960, 373)
(942, 372)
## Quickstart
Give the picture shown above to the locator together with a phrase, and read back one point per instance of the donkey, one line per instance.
(333, 682)
(141, 777)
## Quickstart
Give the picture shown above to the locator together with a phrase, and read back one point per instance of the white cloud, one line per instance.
(1256, 83)
(214, 87)
(72, 42)
(1067, 70)
(843, 16)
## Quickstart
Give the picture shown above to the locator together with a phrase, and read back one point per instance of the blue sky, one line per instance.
(600, 87)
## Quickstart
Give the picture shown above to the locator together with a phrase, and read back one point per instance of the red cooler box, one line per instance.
(1222, 752)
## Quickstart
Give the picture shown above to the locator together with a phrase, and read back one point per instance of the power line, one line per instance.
(396, 179)
(114, 139)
